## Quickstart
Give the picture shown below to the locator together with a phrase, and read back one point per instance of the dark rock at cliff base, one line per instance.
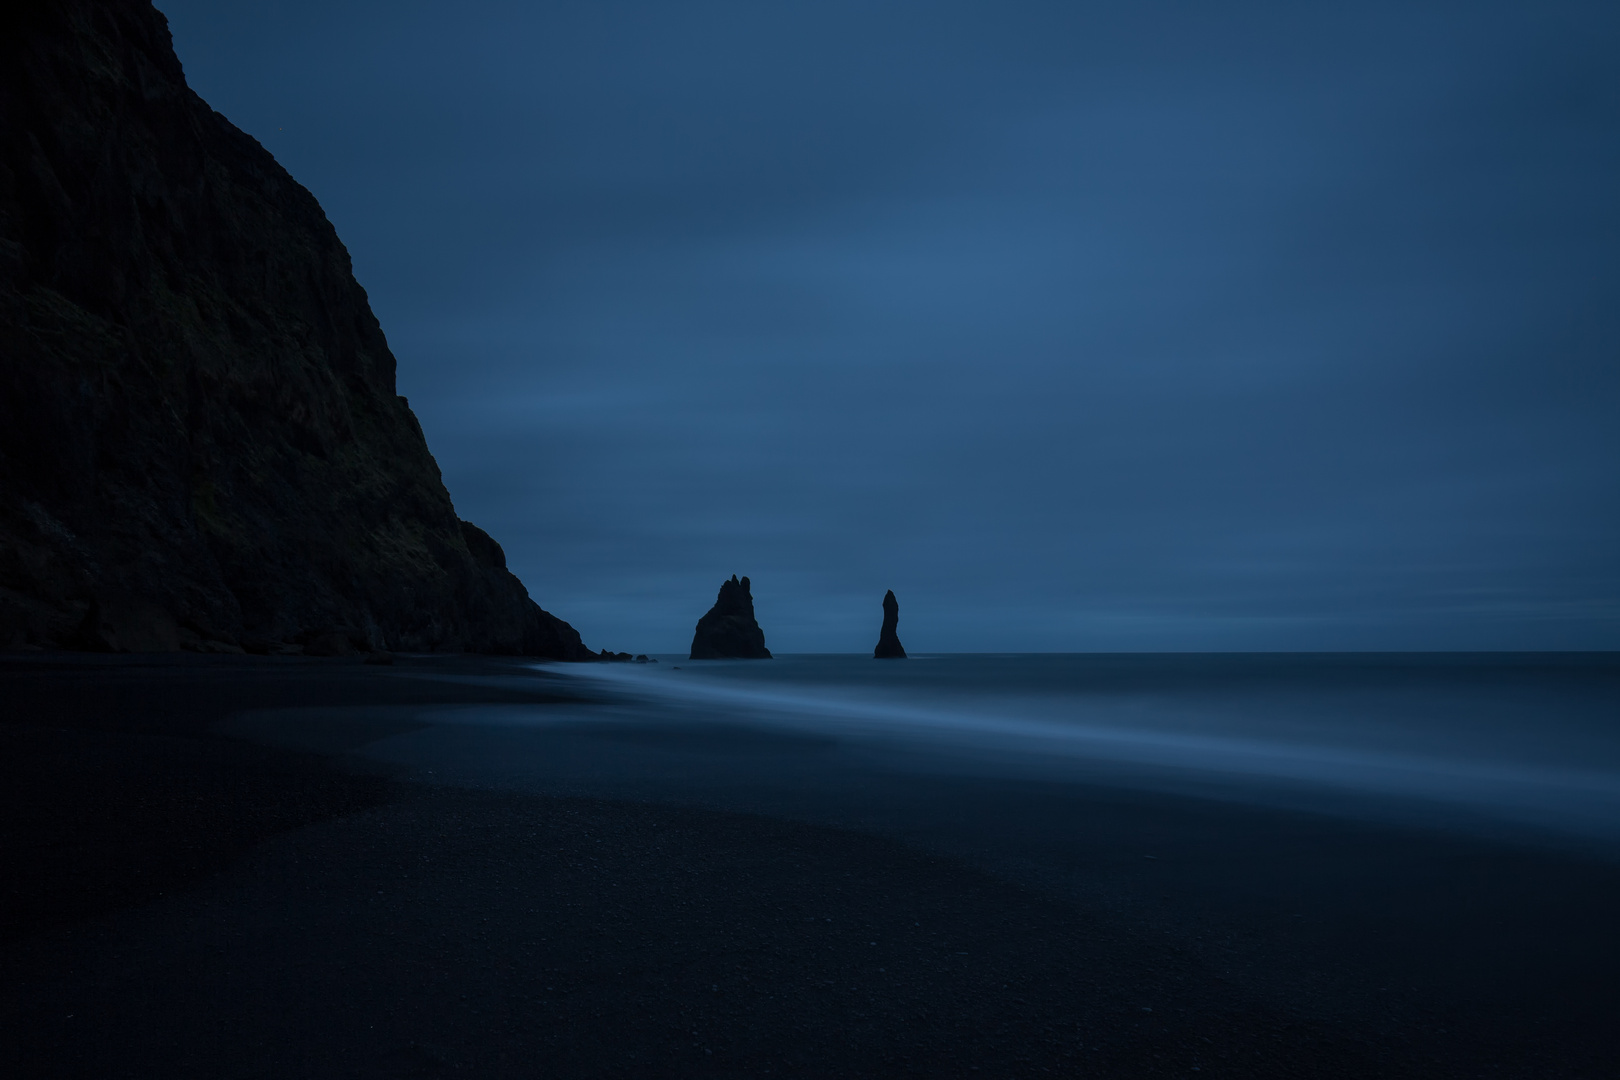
(888, 646)
(200, 441)
(728, 631)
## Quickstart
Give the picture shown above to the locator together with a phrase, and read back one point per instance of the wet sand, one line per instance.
(199, 882)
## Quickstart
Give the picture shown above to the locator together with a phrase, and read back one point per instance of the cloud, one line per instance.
(1159, 327)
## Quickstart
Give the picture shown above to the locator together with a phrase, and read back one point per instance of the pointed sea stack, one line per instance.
(728, 631)
(888, 646)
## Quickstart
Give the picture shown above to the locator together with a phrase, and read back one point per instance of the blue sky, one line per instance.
(1153, 326)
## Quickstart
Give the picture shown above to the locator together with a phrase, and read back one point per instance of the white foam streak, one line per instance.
(1588, 800)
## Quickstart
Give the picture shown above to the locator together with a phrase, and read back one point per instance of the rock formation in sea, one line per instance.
(729, 631)
(201, 445)
(888, 646)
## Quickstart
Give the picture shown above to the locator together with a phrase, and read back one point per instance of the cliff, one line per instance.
(200, 441)
(729, 630)
(888, 646)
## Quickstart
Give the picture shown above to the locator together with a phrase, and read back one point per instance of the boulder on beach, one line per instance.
(729, 631)
(888, 646)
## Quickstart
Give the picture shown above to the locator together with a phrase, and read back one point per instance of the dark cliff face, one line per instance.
(888, 646)
(729, 630)
(200, 440)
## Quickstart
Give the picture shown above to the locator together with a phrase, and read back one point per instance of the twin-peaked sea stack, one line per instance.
(888, 646)
(201, 442)
(729, 630)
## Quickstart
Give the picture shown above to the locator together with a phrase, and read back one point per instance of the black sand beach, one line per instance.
(181, 900)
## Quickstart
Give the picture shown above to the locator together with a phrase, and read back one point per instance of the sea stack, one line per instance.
(728, 631)
(888, 646)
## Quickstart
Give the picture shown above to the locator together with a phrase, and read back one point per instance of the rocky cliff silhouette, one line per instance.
(200, 441)
(888, 646)
(729, 630)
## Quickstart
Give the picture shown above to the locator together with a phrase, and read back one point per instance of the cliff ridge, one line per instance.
(201, 443)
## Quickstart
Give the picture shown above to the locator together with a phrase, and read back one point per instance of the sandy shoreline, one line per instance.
(183, 903)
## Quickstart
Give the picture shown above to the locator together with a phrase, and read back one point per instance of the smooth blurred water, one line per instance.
(1526, 738)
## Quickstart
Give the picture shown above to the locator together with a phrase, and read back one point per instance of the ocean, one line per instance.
(1475, 741)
